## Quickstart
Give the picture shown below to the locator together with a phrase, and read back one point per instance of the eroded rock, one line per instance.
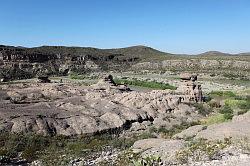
(63, 109)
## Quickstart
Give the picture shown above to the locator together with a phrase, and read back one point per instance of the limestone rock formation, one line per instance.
(188, 76)
(64, 109)
(191, 132)
(238, 128)
(22, 63)
(107, 83)
(191, 90)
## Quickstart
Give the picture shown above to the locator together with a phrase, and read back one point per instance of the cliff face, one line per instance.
(19, 63)
(187, 64)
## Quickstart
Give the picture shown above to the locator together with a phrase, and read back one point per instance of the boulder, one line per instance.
(190, 132)
(188, 76)
(165, 149)
(107, 83)
(238, 128)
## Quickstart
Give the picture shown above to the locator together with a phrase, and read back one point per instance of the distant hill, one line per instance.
(221, 54)
(138, 51)
(214, 53)
(142, 52)
(244, 54)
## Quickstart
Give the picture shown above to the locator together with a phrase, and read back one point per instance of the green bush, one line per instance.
(214, 104)
(168, 133)
(214, 119)
(198, 149)
(76, 76)
(222, 94)
(233, 76)
(203, 110)
(227, 112)
(149, 160)
(148, 84)
(235, 103)
(246, 104)
(128, 157)
(53, 150)
(241, 112)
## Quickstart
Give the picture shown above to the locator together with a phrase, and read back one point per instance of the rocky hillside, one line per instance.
(20, 62)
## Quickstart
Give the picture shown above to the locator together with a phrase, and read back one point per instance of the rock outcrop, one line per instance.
(107, 83)
(236, 129)
(21, 63)
(166, 149)
(169, 153)
(191, 90)
(194, 63)
(63, 109)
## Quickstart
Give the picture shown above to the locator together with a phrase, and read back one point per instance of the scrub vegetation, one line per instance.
(147, 84)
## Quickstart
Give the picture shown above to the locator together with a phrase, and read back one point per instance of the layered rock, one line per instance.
(198, 64)
(51, 109)
(21, 63)
(191, 90)
(107, 83)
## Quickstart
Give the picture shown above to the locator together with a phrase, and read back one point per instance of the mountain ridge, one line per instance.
(137, 50)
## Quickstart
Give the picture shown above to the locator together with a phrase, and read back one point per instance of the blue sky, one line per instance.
(177, 26)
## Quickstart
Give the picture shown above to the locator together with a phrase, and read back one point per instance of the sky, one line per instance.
(175, 26)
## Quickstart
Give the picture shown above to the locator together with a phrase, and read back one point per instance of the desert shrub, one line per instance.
(222, 94)
(148, 160)
(233, 76)
(128, 157)
(207, 98)
(76, 76)
(241, 112)
(245, 105)
(214, 104)
(168, 133)
(148, 84)
(227, 112)
(243, 144)
(53, 150)
(202, 109)
(213, 119)
(197, 150)
(236, 103)
(29, 145)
